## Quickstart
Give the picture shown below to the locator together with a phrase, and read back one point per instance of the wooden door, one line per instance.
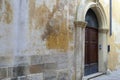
(91, 50)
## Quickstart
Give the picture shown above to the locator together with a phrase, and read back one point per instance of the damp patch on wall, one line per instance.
(38, 15)
(6, 13)
(57, 33)
(55, 24)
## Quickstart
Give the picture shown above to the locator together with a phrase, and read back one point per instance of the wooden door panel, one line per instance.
(91, 45)
(86, 54)
(93, 53)
(86, 46)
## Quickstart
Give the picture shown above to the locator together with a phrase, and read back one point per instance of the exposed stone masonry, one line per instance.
(37, 67)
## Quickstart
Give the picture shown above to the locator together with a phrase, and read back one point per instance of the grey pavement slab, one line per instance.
(115, 75)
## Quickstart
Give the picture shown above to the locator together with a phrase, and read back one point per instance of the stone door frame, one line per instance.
(80, 24)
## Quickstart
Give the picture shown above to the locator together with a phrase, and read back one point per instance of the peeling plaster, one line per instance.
(6, 13)
(57, 33)
(57, 30)
(38, 15)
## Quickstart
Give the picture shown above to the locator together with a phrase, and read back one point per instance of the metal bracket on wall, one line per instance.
(108, 48)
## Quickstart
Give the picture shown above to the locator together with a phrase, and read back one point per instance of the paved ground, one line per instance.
(112, 76)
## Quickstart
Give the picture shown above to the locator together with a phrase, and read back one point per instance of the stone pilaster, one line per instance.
(80, 24)
(79, 49)
(102, 50)
(103, 30)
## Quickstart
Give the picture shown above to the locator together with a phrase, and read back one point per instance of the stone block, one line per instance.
(50, 75)
(7, 79)
(3, 73)
(5, 61)
(48, 59)
(62, 76)
(36, 59)
(19, 71)
(63, 65)
(36, 68)
(22, 78)
(35, 76)
(21, 61)
(10, 71)
(62, 61)
(14, 78)
(50, 66)
(55, 61)
(62, 58)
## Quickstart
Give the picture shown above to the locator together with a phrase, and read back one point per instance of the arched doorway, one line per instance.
(91, 43)
(80, 26)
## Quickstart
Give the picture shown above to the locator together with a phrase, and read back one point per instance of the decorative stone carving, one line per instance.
(80, 24)
(103, 30)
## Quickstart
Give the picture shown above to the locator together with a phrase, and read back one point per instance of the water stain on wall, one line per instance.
(38, 15)
(57, 32)
(7, 13)
(0, 4)
(0, 9)
(58, 38)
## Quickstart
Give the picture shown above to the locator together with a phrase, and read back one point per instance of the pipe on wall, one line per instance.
(110, 17)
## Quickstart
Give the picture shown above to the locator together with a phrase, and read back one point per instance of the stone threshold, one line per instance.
(90, 77)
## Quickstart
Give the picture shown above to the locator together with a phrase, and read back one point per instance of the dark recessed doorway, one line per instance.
(91, 43)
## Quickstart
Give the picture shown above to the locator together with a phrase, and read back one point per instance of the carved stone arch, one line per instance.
(97, 8)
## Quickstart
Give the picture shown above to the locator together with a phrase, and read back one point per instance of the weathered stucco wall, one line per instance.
(52, 23)
(51, 33)
(7, 45)
(37, 38)
(115, 55)
(114, 40)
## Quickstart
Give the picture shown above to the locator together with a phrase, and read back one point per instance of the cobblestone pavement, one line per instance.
(115, 75)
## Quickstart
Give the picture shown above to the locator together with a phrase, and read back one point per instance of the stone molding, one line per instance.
(80, 24)
(103, 30)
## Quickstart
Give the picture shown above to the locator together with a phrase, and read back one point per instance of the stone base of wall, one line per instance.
(38, 67)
